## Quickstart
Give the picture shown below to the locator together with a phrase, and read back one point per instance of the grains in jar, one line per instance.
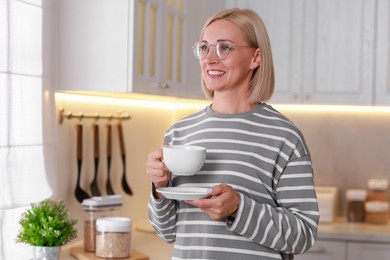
(113, 238)
(355, 205)
(96, 207)
(377, 212)
(378, 190)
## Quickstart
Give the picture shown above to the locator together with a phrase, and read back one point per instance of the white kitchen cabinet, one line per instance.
(382, 91)
(156, 52)
(346, 250)
(199, 12)
(162, 51)
(93, 45)
(141, 46)
(122, 45)
(325, 250)
(323, 50)
(339, 51)
(368, 251)
(284, 21)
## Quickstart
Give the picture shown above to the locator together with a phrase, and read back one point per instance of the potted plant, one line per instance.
(46, 226)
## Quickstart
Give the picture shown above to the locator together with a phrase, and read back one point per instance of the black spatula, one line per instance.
(125, 185)
(79, 193)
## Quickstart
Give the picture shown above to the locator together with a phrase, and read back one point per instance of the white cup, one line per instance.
(184, 159)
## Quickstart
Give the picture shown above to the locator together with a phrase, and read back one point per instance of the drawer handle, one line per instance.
(317, 250)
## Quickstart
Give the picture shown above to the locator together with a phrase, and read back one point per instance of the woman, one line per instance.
(262, 201)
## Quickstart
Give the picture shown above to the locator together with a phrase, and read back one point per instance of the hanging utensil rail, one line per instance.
(69, 115)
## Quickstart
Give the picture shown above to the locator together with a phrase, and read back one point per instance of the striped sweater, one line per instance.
(263, 156)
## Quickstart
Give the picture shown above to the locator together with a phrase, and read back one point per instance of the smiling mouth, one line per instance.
(215, 72)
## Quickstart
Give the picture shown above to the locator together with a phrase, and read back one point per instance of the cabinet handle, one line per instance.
(317, 250)
(164, 85)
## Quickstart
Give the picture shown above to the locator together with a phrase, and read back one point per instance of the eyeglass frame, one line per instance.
(195, 49)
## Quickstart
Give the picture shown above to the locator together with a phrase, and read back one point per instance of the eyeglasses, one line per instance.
(221, 49)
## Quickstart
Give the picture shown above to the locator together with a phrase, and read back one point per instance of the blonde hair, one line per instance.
(262, 83)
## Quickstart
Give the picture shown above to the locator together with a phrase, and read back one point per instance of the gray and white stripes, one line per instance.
(263, 156)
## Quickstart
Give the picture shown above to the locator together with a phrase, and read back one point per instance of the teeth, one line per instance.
(215, 72)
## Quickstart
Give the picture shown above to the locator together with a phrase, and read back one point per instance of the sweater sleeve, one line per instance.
(162, 216)
(291, 227)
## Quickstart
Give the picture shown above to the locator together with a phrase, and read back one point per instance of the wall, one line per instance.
(348, 148)
(143, 133)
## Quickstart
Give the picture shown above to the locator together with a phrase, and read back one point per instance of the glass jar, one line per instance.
(355, 205)
(113, 237)
(377, 212)
(97, 207)
(378, 190)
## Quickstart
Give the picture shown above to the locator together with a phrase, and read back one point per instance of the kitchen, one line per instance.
(344, 124)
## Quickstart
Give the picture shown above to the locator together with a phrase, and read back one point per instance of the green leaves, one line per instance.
(47, 224)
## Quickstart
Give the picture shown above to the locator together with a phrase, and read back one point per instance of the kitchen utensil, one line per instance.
(79, 193)
(109, 188)
(94, 184)
(125, 185)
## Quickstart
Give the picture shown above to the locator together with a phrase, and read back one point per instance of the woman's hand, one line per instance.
(157, 171)
(224, 202)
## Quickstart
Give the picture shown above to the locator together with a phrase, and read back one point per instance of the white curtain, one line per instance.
(27, 115)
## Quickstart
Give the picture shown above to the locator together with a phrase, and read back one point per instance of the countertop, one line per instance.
(363, 232)
(147, 242)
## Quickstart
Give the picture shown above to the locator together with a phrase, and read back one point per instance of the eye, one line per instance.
(224, 47)
(203, 47)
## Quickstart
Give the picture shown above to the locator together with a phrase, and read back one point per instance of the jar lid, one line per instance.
(356, 195)
(113, 224)
(100, 202)
(376, 206)
(378, 184)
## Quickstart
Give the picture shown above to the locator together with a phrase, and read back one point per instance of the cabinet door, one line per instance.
(323, 50)
(156, 53)
(368, 251)
(339, 51)
(383, 54)
(197, 14)
(92, 45)
(284, 22)
(325, 250)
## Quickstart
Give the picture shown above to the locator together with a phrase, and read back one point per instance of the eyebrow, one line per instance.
(221, 40)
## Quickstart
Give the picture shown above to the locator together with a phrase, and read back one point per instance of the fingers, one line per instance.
(219, 189)
(156, 169)
(224, 202)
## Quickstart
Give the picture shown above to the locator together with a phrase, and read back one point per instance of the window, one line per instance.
(23, 97)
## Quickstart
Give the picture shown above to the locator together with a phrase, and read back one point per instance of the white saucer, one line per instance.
(184, 193)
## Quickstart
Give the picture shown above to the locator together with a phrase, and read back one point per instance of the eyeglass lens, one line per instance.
(221, 49)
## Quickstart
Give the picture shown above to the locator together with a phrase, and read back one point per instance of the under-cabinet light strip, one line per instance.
(167, 103)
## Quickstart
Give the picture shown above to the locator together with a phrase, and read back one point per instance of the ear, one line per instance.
(255, 60)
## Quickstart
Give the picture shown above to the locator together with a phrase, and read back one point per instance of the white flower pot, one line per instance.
(46, 253)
